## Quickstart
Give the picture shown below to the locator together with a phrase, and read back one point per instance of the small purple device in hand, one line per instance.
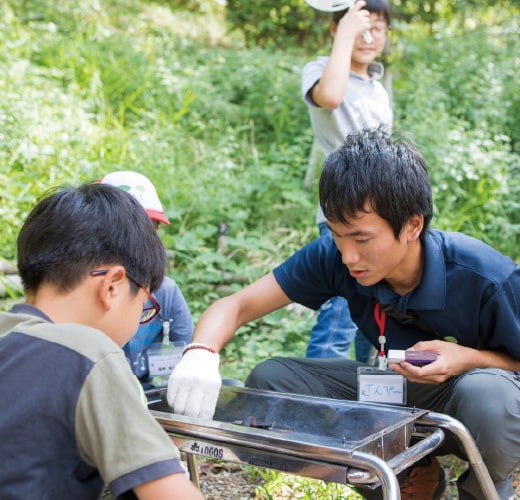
(420, 358)
(416, 358)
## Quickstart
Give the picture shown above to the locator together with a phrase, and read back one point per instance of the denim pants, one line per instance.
(334, 329)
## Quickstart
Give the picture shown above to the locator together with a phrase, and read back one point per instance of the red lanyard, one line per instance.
(380, 318)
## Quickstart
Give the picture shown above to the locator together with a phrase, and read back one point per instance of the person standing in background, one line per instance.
(174, 321)
(344, 96)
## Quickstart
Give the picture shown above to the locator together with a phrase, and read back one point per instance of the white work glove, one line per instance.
(194, 384)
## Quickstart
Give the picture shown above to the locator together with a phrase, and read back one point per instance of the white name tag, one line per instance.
(381, 386)
(163, 359)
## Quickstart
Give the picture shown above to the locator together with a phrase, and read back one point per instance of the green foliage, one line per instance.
(279, 24)
(431, 12)
(278, 334)
(281, 485)
(219, 130)
(452, 94)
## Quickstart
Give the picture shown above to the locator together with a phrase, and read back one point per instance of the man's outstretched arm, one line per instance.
(194, 385)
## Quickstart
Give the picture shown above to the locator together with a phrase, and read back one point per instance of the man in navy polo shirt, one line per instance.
(408, 286)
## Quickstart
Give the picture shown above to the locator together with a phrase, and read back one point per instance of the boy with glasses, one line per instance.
(73, 417)
(344, 96)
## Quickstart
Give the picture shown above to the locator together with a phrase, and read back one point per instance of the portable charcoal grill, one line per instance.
(347, 442)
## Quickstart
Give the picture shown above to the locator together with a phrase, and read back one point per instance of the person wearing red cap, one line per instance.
(174, 322)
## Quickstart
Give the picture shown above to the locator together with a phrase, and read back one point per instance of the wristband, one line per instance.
(191, 347)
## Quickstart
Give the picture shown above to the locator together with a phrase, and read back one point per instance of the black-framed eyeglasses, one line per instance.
(148, 313)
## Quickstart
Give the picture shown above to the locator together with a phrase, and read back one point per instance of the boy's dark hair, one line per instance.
(73, 231)
(381, 7)
(386, 172)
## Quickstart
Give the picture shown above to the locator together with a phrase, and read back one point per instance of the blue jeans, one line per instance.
(334, 329)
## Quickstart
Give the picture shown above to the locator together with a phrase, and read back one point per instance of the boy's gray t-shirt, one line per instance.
(365, 105)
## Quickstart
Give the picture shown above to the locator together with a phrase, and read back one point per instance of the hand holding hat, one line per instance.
(335, 6)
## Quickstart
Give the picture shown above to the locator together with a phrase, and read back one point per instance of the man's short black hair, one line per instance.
(381, 7)
(74, 230)
(385, 173)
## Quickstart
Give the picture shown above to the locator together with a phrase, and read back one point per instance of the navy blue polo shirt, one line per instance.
(468, 291)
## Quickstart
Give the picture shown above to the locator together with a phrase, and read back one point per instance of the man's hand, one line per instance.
(194, 385)
(452, 360)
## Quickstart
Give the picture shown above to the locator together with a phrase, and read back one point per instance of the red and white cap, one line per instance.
(141, 188)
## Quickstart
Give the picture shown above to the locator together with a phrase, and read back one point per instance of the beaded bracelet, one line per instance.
(191, 347)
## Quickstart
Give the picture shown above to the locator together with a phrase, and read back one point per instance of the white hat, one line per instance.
(141, 188)
(330, 5)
